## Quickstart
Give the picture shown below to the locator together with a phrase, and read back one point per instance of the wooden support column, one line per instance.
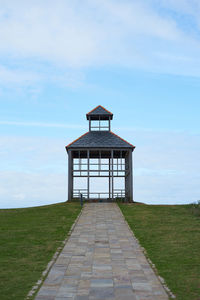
(127, 171)
(130, 176)
(88, 174)
(109, 180)
(109, 124)
(89, 124)
(112, 174)
(70, 175)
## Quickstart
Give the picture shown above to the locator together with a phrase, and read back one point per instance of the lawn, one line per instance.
(28, 239)
(171, 237)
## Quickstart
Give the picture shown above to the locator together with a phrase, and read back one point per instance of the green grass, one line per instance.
(28, 239)
(171, 237)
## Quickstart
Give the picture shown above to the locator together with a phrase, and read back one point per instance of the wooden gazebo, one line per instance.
(100, 153)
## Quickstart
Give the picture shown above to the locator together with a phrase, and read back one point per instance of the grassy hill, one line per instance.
(28, 239)
(171, 237)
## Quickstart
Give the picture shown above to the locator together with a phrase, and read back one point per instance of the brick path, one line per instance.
(101, 260)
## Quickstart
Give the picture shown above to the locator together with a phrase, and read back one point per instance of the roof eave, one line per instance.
(97, 147)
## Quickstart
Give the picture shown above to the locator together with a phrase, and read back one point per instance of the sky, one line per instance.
(138, 58)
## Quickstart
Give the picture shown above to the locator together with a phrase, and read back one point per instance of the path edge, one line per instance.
(32, 293)
(161, 279)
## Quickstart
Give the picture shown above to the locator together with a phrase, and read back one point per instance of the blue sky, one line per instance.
(139, 59)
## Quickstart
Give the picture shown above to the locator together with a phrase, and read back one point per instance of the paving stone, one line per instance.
(124, 293)
(101, 283)
(45, 297)
(101, 260)
(101, 293)
(83, 297)
(65, 298)
(70, 281)
(84, 284)
(138, 279)
(102, 267)
(54, 279)
(83, 292)
(47, 291)
(141, 286)
(122, 280)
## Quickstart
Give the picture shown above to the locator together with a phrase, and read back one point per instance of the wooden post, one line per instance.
(127, 185)
(112, 175)
(88, 174)
(89, 124)
(109, 180)
(70, 175)
(109, 124)
(130, 176)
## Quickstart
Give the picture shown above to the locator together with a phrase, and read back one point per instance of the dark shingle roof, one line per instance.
(99, 111)
(99, 139)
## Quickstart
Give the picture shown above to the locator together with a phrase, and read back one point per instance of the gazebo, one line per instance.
(100, 153)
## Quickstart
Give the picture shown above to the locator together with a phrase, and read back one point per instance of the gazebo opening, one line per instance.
(100, 161)
(99, 188)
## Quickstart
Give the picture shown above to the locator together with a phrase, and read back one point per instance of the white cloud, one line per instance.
(20, 76)
(17, 76)
(47, 31)
(188, 7)
(71, 35)
(24, 154)
(24, 189)
(33, 171)
(137, 18)
(166, 166)
(40, 124)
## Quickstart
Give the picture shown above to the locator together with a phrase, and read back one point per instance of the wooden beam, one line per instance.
(70, 175)
(88, 174)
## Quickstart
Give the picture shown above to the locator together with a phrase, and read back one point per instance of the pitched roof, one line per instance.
(99, 111)
(99, 139)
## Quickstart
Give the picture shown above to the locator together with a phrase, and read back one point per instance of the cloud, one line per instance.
(166, 169)
(33, 171)
(138, 18)
(187, 7)
(25, 75)
(17, 76)
(47, 31)
(33, 154)
(40, 124)
(166, 166)
(24, 189)
(59, 42)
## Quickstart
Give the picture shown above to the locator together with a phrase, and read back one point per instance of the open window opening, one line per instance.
(80, 187)
(99, 188)
(100, 125)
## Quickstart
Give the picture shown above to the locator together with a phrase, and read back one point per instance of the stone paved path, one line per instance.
(101, 260)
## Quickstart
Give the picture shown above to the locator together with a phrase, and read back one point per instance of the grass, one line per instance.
(171, 237)
(28, 239)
